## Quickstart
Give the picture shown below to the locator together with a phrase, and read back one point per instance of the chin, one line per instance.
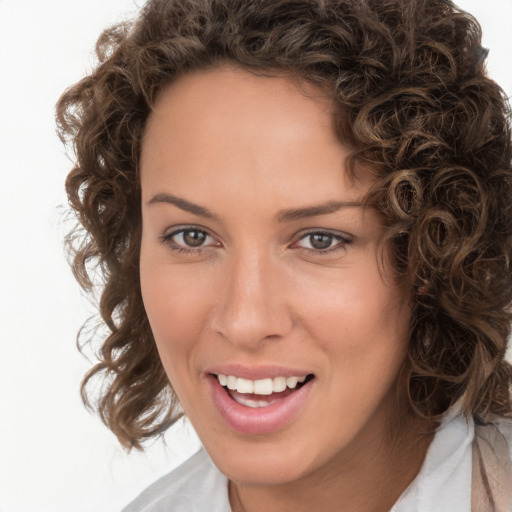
(259, 462)
(260, 472)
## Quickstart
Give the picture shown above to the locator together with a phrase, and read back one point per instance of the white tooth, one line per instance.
(231, 383)
(244, 386)
(245, 401)
(291, 382)
(222, 379)
(279, 384)
(263, 387)
(302, 379)
(248, 402)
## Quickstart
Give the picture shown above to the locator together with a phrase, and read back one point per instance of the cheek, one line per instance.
(363, 333)
(176, 306)
(361, 321)
(176, 311)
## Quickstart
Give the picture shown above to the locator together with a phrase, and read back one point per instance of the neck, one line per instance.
(367, 476)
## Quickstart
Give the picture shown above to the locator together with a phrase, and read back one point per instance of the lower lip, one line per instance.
(259, 420)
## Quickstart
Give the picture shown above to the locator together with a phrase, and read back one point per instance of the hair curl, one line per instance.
(413, 101)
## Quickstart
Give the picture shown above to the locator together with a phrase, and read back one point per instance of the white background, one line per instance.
(54, 456)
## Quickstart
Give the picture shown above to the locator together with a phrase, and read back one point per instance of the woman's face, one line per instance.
(259, 272)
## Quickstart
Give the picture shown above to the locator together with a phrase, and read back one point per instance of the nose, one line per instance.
(253, 306)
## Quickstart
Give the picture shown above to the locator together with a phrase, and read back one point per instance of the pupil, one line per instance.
(320, 241)
(194, 238)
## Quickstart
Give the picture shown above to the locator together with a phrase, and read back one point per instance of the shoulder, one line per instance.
(492, 468)
(505, 428)
(195, 485)
(493, 441)
(444, 481)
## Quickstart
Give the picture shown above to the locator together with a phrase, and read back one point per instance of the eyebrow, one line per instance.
(316, 210)
(183, 204)
(283, 216)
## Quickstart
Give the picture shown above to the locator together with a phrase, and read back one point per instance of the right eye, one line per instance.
(188, 240)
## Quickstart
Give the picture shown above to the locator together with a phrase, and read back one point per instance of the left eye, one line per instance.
(189, 238)
(319, 241)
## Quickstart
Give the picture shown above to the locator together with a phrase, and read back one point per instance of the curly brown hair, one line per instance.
(413, 101)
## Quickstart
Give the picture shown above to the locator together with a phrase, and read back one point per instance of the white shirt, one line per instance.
(444, 481)
(442, 485)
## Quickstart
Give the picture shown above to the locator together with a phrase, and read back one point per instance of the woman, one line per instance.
(301, 211)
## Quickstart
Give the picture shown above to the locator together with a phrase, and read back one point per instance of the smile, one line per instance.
(259, 406)
(261, 386)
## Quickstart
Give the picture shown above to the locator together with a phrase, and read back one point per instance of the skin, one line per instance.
(257, 292)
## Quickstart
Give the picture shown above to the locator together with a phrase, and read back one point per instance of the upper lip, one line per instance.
(257, 372)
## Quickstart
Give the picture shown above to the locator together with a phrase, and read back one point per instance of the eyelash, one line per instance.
(180, 249)
(342, 241)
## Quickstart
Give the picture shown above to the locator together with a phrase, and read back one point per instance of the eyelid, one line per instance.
(343, 239)
(167, 237)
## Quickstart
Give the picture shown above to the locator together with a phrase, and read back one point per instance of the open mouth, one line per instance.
(262, 392)
(264, 405)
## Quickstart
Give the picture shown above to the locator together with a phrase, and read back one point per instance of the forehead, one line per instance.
(232, 86)
(229, 126)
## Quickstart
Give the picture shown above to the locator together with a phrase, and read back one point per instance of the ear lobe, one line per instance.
(420, 289)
